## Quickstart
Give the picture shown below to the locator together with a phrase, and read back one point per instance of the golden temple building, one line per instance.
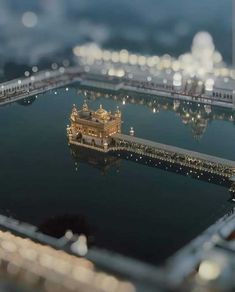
(94, 127)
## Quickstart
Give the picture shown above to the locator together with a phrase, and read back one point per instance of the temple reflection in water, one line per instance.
(195, 115)
(27, 101)
(101, 161)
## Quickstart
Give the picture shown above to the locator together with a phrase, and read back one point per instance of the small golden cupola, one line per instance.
(74, 113)
(118, 113)
(85, 106)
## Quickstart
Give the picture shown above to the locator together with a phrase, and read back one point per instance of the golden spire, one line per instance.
(85, 106)
(117, 112)
(74, 113)
(74, 109)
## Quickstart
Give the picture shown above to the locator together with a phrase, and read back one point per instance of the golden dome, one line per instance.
(102, 113)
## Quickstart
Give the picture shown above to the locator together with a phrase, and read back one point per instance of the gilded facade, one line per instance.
(94, 127)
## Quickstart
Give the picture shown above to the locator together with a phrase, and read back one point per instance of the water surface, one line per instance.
(133, 209)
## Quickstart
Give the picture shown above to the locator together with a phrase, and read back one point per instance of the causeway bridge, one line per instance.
(173, 158)
(175, 155)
